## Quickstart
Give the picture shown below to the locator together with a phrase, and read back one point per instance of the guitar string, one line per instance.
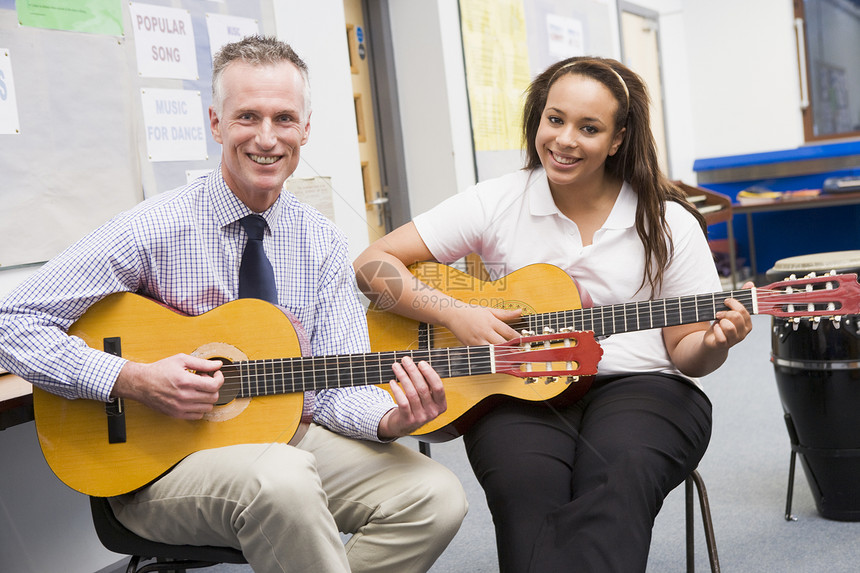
(345, 366)
(671, 308)
(644, 312)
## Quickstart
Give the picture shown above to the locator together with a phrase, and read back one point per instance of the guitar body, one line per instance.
(535, 289)
(73, 434)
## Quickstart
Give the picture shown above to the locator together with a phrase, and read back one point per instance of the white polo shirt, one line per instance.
(512, 221)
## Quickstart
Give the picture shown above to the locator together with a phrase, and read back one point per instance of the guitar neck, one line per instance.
(300, 374)
(633, 316)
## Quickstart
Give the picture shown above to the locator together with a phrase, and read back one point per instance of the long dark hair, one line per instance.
(635, 160)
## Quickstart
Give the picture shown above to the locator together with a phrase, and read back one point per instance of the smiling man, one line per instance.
(282, 505)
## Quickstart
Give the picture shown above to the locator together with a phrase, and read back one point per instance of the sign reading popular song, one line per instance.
(174, 125)
(164, 42)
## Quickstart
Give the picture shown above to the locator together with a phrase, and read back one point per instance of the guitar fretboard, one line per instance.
(300, 374)
(632, 316)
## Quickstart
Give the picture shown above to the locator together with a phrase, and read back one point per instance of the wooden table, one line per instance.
(787, 203)
(16, 400)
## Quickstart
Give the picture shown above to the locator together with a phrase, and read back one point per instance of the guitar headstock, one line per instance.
(549, 355)
(826, 295)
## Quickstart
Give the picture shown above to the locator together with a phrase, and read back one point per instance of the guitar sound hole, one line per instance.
(228, 391)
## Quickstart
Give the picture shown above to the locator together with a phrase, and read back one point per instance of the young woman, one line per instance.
(578, 487)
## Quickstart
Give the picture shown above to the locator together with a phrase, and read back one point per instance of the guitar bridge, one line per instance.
(115, 411)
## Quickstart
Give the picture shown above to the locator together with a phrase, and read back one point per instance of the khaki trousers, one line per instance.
(283, 506)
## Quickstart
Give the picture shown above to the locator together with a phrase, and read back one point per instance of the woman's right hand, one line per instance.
(476, 325)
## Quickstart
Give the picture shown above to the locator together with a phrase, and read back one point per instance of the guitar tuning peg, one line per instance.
(572, 379)
(550, 379)
(566, 329)
(548, 330)
(811, 275)
(530, 380)
(525, 332)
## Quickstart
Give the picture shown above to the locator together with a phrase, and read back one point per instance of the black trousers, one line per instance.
(577, 488)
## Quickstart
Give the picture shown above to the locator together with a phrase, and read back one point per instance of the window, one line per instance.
(828, 41)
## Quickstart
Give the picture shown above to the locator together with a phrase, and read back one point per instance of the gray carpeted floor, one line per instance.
(746, 471)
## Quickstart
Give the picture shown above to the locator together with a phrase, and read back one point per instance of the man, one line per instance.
(281, 505)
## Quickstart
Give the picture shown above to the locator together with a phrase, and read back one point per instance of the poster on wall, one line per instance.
(164, 42)
(89, 16)
(224, 29)
(565, 37)
(9, 123)
(497, 72)
(174, 126)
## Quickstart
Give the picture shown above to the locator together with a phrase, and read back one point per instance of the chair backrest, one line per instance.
(119, 539)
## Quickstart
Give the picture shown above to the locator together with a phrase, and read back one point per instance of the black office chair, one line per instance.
(695, 480)
(115, 537)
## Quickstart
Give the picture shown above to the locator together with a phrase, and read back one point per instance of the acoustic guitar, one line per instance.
(108, 449)
(551, 302)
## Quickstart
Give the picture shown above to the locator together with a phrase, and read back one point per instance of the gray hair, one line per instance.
(258, 51)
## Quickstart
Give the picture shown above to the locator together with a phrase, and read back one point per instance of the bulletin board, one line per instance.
(76, 126)
(506, 43)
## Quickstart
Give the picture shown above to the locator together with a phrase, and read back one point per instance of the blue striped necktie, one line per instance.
(256, 277)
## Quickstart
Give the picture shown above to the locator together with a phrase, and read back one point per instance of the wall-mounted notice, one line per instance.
(164, 41)
(565, 37)
(9, 123)
(173, 120)
(225, 29)
(90, 16)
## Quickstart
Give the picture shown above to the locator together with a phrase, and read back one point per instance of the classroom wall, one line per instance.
(431, 85)
(316, 30)
(730, 78)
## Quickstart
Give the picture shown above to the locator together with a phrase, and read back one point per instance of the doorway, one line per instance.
(641, 53)
(376, 199)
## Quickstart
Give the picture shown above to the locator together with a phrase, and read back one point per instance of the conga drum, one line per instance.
(817, 367)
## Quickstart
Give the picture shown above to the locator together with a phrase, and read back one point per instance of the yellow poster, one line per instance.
(497, 70)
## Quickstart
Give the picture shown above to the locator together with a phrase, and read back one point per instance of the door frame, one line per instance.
(383, 85)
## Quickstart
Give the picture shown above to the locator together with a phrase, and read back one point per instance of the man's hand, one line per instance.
(180, 386)
(420, 397)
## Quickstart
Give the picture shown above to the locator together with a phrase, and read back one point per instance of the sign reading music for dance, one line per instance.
(174, 125)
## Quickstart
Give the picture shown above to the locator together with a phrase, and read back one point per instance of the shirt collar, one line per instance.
(228, 207)
(541, 203)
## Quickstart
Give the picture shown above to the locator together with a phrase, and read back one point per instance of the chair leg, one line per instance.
(691, 534)
(710, 540)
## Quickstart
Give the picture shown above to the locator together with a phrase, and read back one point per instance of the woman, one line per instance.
(578, 487)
